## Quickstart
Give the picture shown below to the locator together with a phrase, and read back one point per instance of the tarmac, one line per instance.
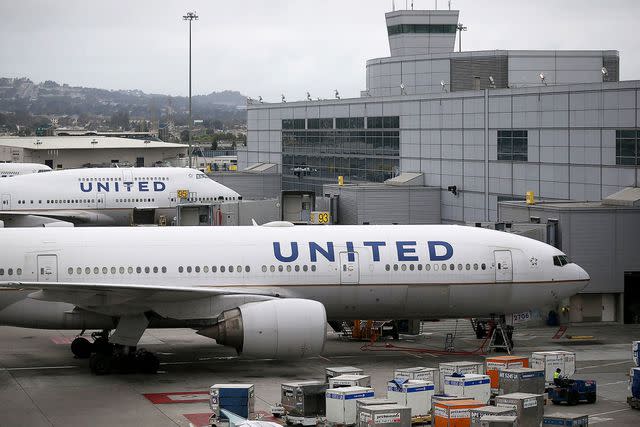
(41, 384)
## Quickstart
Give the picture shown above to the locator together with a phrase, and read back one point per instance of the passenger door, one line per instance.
(47, 268)
(100, 201)
(6, 202)
(349, 270)
(504, 266)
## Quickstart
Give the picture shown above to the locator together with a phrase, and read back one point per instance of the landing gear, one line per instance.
(106, 357)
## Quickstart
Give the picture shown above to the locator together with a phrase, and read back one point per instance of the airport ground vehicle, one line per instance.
(573, 392)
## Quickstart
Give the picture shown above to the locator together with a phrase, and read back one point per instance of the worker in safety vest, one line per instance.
(557, 378)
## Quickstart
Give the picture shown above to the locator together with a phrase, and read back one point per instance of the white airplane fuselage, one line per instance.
(7, 170)
(107, 196)
(356, 272)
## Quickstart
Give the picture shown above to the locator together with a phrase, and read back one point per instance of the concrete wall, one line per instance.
(386, 204)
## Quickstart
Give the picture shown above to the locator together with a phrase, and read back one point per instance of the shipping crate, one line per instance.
(304, 398)
(444, 398)
(495, 364)
(384, 416)
(565, 420)
(419, 373)
(454, 413)
(499, 421)
(478, 413)
(341, 403)
(449, 368)
(521, 380)
(472, 386)
(350, 380)
(529, 407)
(236, 398)
(549, 361)
(373, 401)
(415, 394)
(334, 371)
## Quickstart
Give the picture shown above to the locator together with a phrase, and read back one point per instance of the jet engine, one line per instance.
(278, 329)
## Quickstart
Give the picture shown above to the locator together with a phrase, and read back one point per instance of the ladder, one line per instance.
(498, 331)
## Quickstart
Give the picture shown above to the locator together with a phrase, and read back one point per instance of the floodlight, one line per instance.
(605, 72)
(260, 99)
(309, 97)
(542, 78)
(284, 100)
(337, 94)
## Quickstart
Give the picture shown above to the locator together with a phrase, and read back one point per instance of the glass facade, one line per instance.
(627, 149)
(422, 29)
(513, 145)
(319, 153)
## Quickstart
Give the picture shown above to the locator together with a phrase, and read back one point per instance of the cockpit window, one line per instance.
(201, 176)
(561, 260)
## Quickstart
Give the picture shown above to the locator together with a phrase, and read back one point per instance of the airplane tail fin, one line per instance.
(234, 420)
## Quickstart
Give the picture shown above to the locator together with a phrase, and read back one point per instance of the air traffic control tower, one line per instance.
(421, 32)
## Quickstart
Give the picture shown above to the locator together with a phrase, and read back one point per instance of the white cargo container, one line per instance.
(549, 361)
(415, 394)
(350, 381)
(465, 367)
(472, 386)
(419, 373)
(334, 371)
(341, 403)
(635, 349)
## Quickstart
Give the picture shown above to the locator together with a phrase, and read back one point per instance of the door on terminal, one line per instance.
(349, 268)
(504, 270)
(632, 297)
(47, 268)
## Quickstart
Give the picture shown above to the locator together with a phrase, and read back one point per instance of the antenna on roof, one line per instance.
(449, 4)
(436, 4)
(411, 4)
(393, 5)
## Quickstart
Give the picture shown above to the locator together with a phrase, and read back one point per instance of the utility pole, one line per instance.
(190, 16)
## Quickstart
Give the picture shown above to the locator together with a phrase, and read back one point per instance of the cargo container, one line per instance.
(372, 401)
(521, 380)
(495, 364)
(304, 398)
(549, 361)
(635, 350)
(419, 373)
(236, 398)
(341, 403)
(565, 420)
(350, 380)
(415, 394)
(454, 413)
(529, 407)
(478, 413)
(384, 416)
(465, 367)
(499, 421)
(444, 398)
(342, 370)
(472, 386)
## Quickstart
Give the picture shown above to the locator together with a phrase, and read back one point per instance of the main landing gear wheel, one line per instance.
(81, 348)
(100, 363)
(147, 362)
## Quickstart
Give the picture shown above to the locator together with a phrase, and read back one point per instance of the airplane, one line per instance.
(267, 290)
(104, 196)
(13, 169)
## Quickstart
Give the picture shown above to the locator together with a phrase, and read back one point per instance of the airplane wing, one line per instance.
(121, 299)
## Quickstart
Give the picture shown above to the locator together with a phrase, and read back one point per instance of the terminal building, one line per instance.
(482, 127)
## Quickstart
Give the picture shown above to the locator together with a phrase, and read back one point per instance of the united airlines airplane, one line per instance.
(14, 169)
(104, 196)
(266, 291)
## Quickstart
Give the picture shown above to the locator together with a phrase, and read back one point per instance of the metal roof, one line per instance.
(82, 143)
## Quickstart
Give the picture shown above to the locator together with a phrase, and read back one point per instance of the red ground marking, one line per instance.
(198, 420)
(61, 340)
(178, 397)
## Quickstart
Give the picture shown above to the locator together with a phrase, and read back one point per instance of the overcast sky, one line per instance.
(269, 47)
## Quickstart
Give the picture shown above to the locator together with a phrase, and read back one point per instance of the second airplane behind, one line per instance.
(104, 196)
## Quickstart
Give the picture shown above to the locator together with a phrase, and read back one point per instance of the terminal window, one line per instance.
(627, 147)
(512, 145)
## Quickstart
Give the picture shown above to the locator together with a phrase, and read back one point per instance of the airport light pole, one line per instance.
(190, 16)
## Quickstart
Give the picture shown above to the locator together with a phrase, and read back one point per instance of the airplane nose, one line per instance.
(582, 274)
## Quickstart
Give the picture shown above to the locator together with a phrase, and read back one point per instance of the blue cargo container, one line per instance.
(565, 420)
(236, 398)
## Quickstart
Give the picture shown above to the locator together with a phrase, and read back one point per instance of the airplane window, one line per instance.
(222, 269)
(188, 269)
(387, 267)
(147, 270)
(121, 270)
(395, 267)
(313, 268)
(96, 270)
(138, 270)
(272, 269)
(205, 269)
(452, 267)
(70, 270)
(79, 270)
(483, 266)
(19, 272)
(289, 268)
(104, 270)
(420, 267)
(180, 269)
(305, 267)
(239, 269)
(197, 269)
(435, 267)
(264, 268)
(427, 267)
(412, 267)
(297, 268)
(475, 266)
(10, 272)
(164, 269)
(404, 267)
(130, 270)
(87, 270)
(248, 269)
(280, 268)
(467, 266)
(1, 271)
(113, 270)
(444, 267)
(231, 269)
(459, 266)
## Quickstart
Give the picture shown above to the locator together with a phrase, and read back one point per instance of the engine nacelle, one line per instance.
(278, 329)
